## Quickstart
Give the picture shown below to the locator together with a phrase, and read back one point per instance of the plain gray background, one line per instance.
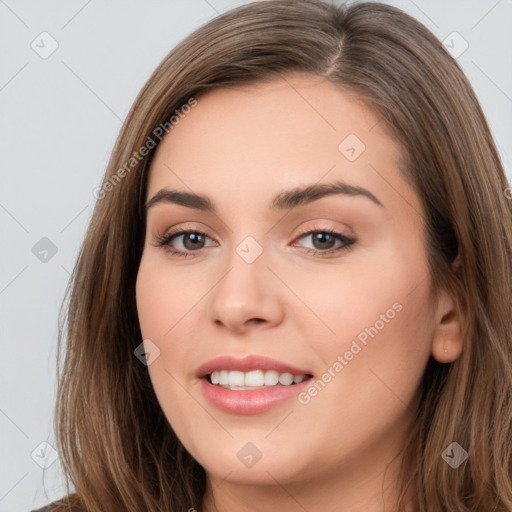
(60, 115)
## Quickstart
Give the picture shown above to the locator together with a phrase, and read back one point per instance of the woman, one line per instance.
(295, 290)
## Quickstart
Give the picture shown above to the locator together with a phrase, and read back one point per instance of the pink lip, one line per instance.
(249, 401)
(247, 364)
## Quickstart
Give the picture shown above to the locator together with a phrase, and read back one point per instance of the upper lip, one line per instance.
(248, 363)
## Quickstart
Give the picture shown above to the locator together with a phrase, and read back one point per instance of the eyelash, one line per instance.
(165, 240)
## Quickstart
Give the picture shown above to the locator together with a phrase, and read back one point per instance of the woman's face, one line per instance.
(305, 248)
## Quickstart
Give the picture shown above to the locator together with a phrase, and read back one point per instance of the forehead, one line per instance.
(287, 132)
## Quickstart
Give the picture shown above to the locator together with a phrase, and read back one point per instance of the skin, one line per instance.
(241, 147)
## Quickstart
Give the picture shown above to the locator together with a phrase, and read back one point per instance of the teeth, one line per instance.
(254, 379)
(236, 378)
(285, 379)
(271, 378)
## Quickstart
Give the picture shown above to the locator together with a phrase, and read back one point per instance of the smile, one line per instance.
(250, 385)
(255, 379)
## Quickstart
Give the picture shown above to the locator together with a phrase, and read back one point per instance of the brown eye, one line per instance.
(322, 240)
(183, 243)
(193, 241)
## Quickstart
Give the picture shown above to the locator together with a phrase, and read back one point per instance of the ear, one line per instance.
(447, 342)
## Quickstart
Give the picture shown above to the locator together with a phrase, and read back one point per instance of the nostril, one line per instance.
(255, 320)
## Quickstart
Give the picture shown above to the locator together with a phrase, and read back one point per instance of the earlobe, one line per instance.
(457, 262)
(447, 342)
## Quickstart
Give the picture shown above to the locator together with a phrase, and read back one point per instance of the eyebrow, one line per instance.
(283, 201)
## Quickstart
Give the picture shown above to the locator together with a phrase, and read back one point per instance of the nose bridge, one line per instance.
(247, 268)
(246, 291)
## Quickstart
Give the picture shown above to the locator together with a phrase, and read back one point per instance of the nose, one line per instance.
(247, 297)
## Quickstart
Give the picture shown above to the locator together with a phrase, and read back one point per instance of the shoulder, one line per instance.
(69, 503)
(54, 507)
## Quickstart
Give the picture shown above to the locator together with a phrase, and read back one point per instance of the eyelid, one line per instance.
(164, 240)
(188, 227)
(329, 228)
(346, 241)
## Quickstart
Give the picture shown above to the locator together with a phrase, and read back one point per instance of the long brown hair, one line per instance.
(115, 444)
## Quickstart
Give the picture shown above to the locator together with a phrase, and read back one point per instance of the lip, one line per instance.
(250, 401)
(247, 364)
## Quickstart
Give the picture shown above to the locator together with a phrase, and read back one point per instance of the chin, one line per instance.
(247, 462)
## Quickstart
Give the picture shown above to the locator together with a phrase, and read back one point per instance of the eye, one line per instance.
(183, 243)
(326, 241)
(187, 242)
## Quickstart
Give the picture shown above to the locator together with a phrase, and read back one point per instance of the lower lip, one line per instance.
(250, 401)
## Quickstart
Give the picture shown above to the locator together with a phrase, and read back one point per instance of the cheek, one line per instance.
(164, 296)
(374, 325)
(167, 307)
(371, 373)
(363, 294)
